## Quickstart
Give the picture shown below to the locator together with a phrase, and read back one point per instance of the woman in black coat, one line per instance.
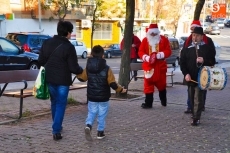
(59, 58)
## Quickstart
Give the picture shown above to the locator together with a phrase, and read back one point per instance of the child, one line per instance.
(100, 78)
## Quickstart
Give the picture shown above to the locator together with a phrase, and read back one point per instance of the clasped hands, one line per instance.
(147, 58)
(199, 60)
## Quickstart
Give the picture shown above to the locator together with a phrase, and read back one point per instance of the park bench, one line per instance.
(7, 77)
(14, 76)
(138, 66)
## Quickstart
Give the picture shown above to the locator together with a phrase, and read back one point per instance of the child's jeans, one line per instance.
(99, 109)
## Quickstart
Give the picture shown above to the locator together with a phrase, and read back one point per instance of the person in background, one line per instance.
(153, 50)
(193, 57)
(59, 58)
(100, 78)
(133, 52)
(188, 41)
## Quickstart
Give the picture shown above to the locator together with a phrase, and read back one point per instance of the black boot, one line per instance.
(163, 98)
(148, 101)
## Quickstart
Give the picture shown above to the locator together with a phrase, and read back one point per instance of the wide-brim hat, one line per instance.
(198, 30)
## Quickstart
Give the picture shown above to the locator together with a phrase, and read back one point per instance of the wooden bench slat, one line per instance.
(26, 93)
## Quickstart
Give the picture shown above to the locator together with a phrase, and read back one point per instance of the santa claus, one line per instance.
(153, 51)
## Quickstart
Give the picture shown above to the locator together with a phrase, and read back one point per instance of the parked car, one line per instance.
(225, 21)
(29, 42)
(112, 50)
(212, 30)
(80, 48)
(227, 24)
(181, 40)
(205, 25)
(209, 19)
(14, 58)
(174, 58)
(218, 51)
(220, 24)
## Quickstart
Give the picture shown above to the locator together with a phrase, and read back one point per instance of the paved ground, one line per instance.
(130, 129)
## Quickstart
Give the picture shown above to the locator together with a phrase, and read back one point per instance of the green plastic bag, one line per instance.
(40, 90)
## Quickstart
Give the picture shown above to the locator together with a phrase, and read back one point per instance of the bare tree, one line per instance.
(59, 8)
(175, 13)
(98, 4)
(124, 74)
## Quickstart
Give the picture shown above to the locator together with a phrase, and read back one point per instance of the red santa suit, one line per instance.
(155, 74)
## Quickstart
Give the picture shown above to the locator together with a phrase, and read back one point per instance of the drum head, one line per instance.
(203, 78)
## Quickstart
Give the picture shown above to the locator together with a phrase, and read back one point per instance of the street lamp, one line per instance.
(151, 10)
(39, 15)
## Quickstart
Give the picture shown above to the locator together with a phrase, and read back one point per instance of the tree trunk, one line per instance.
(93, 26)
(198, 9)
(124, 74)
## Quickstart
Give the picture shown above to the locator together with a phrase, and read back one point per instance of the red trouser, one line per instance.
(160, 84)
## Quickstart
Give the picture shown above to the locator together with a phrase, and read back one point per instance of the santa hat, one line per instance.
(153, 28)
(195, 23)
(146, 29)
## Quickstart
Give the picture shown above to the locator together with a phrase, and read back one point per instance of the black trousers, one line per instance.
(149, 98)
(196, 95)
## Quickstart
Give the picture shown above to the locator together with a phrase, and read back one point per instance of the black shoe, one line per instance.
(143, 105)
(188, 111)
(203, 109)
(192, 116)
(57, 136)
(100, 135)
(164, 103)
(88, 129)
(135, 78)
(195, 122)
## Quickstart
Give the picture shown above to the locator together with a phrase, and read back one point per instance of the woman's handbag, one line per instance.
(40, 89)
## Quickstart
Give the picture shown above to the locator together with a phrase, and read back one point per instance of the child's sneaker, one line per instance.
(88, 129)
(100, 135)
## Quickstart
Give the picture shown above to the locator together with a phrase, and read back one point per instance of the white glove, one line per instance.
(160, 55)
(145, 58)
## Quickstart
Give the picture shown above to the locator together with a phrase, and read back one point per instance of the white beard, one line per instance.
(153, 40)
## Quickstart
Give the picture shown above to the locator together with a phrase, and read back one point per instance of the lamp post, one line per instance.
(39, 15)
(151, 10)
(204, 12)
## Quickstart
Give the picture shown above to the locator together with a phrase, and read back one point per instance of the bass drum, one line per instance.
(212, 78)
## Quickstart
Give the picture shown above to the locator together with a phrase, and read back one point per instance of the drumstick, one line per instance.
(193, 81)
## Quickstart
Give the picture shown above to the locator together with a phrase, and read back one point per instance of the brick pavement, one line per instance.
(130, 129)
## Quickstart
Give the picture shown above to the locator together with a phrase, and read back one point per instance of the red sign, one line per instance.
(218, 10)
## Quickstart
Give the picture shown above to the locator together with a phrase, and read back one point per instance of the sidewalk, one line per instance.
(130, 129)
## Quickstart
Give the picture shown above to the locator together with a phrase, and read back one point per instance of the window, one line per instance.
(176, 45)
(103, 31)
(80, 44)
(8, 47)
(78, 30)
(34, 41)
(73, 43)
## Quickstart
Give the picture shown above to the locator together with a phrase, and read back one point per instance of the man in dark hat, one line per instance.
(188, 41)
(193, 57)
